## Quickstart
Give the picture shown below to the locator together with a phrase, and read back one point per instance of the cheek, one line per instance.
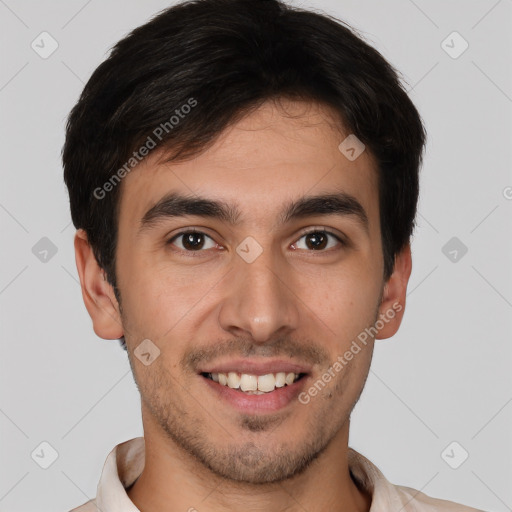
(346, 300)
(159, 302)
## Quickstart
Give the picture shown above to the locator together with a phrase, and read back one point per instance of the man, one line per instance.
(243, 177)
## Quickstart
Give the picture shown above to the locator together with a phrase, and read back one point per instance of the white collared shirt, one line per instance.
(125, 463)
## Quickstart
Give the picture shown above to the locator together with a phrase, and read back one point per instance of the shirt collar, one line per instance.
(123, 466)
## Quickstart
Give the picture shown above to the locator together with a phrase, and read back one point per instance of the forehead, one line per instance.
(273, 155)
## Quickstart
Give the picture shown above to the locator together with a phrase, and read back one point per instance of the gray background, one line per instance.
(444, 377)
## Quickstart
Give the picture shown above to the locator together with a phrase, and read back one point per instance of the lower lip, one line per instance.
(267, 402)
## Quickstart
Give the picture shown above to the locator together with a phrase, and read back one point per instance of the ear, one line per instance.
(392, 307)
(97, 292)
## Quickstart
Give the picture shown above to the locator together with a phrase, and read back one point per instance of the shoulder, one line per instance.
(387, 496)
(90, 506)
(415, 501)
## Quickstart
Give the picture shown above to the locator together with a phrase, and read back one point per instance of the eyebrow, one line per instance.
(178, 205)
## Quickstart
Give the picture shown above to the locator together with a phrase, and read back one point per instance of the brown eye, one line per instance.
(192, 241)
(318, 241)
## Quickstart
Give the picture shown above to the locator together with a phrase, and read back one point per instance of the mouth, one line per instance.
(254, 384)
(253, 387)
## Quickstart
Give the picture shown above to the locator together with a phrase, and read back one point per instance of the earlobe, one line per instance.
(97, 292)
(392, 307)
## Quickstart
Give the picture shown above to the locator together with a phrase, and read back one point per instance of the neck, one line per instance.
(173, 480)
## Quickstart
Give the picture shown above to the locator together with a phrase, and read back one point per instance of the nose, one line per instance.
(259, 299)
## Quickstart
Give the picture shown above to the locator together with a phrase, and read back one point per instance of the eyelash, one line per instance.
(342, 242)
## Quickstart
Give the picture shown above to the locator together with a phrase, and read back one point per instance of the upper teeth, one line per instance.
(262, 383)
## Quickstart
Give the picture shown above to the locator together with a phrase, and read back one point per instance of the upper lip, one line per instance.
(256, 367)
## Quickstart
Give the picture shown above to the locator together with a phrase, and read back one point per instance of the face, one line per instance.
(261, 283)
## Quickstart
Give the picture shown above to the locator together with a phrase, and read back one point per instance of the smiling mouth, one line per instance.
(254, 384)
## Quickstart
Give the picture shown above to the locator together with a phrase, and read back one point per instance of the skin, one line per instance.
(292, 302)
